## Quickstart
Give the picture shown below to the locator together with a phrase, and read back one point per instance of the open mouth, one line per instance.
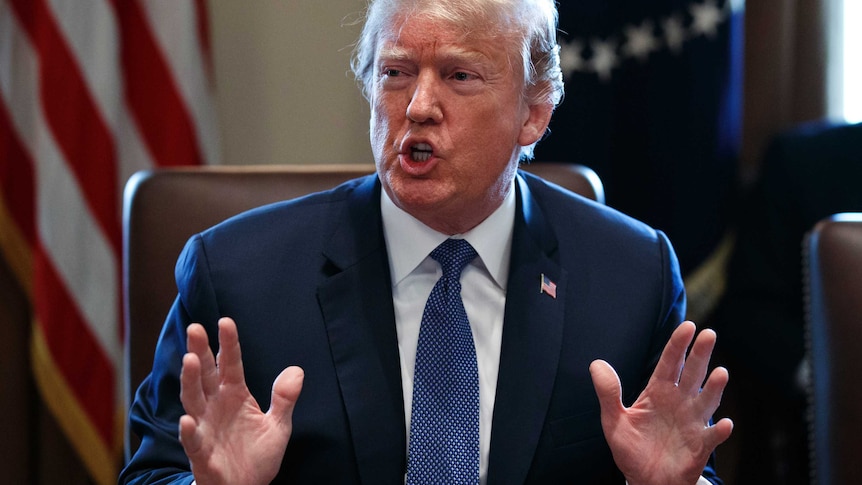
(421, 152)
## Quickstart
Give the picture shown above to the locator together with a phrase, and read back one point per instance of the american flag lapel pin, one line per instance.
(548, 287)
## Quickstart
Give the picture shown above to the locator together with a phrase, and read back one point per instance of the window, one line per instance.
(852, 61)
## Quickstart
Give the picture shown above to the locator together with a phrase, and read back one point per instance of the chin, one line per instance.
(419, 194)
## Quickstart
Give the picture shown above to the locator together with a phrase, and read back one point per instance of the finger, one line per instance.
(718, 433)
(198, 343)
(608, 389)
(191, 392)
(189, 437)
(710, 396)
(697, 362)
(285, 392)
(229, 354)
(673, 356)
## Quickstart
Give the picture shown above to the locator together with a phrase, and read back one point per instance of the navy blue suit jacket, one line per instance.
(308, 284)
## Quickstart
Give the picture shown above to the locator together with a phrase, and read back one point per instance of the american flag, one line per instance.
(657, 113)
(90, 92)
(548, 287)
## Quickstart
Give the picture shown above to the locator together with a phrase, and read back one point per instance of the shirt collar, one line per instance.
(409, 241)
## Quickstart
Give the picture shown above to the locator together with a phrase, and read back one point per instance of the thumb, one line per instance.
(285, 393)
(608, 387)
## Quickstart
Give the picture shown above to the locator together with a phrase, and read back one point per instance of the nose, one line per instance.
(425, 103)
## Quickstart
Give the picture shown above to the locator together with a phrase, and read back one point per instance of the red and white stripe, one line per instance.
(90, 92)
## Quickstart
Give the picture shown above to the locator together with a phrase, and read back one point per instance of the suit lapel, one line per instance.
(530, 353)
(357, 307)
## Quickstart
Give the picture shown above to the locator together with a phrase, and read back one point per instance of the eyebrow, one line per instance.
(449, 54)
(393, 53)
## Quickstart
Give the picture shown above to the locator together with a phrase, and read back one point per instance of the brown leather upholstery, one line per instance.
(577, 178)
(164, 207)
(833, 275)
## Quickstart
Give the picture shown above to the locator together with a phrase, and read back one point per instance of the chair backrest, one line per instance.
(833, 283)
(577, 178)
(164, 207)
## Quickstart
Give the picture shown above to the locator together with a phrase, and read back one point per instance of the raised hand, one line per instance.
(665, 438)
(226, 436)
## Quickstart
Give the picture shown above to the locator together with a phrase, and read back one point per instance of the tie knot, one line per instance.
(453, 255)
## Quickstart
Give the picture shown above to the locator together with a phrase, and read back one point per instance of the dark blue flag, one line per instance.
(653, 105)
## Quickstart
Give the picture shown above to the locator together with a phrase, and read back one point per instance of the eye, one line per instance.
(461, 76)
(391, 72)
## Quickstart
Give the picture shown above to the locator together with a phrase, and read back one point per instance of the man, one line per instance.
(328, 297)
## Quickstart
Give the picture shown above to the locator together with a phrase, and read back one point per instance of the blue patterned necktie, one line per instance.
(444, 424)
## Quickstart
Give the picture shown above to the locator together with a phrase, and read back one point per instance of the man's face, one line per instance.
(447, 121)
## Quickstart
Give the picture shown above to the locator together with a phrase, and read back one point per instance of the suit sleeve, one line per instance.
(673, 305)
(675, 302)
(155, 412)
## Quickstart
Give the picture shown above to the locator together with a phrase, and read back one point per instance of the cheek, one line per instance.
(378, 131)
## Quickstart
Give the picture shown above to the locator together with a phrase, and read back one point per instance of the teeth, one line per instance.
(421, 152)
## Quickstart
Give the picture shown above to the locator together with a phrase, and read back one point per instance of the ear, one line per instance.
(539, 115)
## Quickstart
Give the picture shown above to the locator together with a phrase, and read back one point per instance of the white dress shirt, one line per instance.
(483, 282)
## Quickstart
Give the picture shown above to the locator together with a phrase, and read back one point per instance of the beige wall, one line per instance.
(284, 91)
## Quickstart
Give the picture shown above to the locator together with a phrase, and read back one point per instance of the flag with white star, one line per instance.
(653, 105)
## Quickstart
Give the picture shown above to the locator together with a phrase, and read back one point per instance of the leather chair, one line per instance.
(833, 284)
(164, 207)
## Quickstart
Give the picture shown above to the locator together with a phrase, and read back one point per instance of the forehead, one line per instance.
(407, 35)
